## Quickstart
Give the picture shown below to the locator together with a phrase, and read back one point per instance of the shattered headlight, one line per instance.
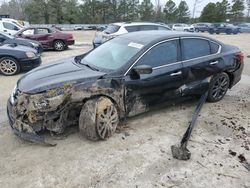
(30, 55)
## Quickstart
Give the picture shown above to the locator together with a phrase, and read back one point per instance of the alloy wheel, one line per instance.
(220, 87)
(59, 46)
(107, 122)
(8, 67)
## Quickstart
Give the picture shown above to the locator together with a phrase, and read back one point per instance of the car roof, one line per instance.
(137, 23)
(147, 37)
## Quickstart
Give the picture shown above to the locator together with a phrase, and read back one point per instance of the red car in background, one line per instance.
(50, 38)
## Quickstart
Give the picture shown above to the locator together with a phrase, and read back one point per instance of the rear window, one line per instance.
(214, 47)
(163, 28)
(193, 48)
(112, 29)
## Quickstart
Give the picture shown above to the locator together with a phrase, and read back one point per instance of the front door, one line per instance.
(145, 90)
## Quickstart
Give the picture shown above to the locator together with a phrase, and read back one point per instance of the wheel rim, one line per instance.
(107, 122)
(220, 87)
(59, 46)
(8, 66)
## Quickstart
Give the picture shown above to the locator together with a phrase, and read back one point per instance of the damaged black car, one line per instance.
(123, 77)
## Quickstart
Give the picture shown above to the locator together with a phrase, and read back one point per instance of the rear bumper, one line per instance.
(237, 75)
(28, 64)
(70, 42)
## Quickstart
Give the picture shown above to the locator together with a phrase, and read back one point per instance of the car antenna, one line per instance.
(180, 151)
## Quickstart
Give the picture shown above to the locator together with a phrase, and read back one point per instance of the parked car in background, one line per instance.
(201, 27)
(223, 28)
(117, 29)
(123, 77)
(15, 58)
(9, 27)
(50, 38)
(78, 27)
(244, 27)
(183, 27)
(9, 39)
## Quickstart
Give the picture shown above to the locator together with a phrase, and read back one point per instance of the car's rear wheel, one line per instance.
(59, 45)
(211, 31)
(218, 87)
(98, 119)
(228, 31)
(9, 66)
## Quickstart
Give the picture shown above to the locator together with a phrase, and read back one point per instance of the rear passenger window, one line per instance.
(193, 48)
(161, 54)
(148, 27)
(214, 47)
(132, 28)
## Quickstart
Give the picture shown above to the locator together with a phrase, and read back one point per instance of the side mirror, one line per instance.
(143, 69)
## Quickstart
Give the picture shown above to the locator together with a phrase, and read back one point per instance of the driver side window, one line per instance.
(162, 54)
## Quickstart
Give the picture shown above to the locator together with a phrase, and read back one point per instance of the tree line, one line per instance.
(107, 11)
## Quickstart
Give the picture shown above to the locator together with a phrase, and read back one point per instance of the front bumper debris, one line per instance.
(23, 130)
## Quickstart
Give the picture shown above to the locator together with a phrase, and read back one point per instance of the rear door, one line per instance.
(162, 84)
(201, 59)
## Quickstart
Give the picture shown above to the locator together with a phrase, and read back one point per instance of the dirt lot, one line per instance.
(140, 155)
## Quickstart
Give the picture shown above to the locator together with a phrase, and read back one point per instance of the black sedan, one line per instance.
(15, 58)
(9, 39)
(123, 77)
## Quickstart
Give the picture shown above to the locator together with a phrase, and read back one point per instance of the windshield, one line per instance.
(112, 29)
(112, 54)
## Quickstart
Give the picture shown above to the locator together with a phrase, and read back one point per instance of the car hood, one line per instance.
(13, 47)
(56, 75)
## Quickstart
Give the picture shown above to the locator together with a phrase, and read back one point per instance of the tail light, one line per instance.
(239, 56)
(71, 36)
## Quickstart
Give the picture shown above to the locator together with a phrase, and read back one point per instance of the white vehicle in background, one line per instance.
(9, 27)
(120, 28)
(183, 27)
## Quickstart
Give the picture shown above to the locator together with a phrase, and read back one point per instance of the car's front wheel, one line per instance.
(98, 119)
(59, 45)
(218, 87)
(9, 66)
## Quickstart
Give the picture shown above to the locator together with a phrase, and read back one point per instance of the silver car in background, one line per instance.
(116, 29)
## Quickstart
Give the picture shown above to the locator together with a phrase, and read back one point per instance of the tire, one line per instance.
(228, 32)
(211, 31)
(236, 32)
(218, 87)
(9, 66)
(98, 119)
(197, 30)
(58, 45)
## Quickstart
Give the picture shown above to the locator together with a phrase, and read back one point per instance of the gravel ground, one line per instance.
(138, 156)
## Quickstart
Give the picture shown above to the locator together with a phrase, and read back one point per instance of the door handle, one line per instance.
(5, 30)
(214, 62)
(176, 73)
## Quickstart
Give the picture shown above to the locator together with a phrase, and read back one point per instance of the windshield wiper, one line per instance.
(87, 65)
